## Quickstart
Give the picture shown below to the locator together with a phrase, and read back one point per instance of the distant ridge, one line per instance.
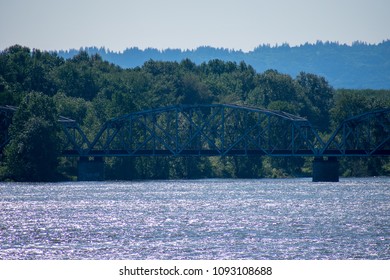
(356, 66)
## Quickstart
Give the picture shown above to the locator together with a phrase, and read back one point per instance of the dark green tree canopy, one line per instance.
(32, 154)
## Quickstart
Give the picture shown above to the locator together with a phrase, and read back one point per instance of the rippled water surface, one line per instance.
(202, 219)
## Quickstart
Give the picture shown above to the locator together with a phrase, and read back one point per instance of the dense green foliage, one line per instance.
(90, 90)
(356, 66)
(32, 154)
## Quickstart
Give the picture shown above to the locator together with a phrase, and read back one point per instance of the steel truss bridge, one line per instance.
(220, 130)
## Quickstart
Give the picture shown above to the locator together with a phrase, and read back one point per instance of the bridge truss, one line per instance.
(203, 130)
(220, 130)
(367, 134)
(72, 131)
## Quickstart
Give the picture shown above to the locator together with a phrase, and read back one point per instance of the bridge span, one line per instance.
(223, 130)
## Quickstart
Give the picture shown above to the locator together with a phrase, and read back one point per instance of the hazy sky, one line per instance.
(187, 24)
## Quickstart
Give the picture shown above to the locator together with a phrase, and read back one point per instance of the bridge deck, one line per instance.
(210, 153)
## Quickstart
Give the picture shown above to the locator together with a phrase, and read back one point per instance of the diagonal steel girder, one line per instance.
(354, 136)
(206, 124)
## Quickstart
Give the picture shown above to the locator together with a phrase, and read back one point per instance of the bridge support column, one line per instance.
(90, 170)
(325, 170)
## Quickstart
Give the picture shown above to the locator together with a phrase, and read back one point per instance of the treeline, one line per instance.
(356, 66)
(91, 90)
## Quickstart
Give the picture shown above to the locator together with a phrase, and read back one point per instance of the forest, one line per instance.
(87, 88)
(356, 66)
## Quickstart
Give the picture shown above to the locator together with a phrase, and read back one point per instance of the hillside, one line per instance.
(91, 91)
(359, 66)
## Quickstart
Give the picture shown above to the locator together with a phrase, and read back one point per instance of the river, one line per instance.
(210, 219)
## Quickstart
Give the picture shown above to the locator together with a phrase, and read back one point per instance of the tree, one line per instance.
(193, 91)
(277, 87)
(32, 152)
(15, 65)
(318, 96)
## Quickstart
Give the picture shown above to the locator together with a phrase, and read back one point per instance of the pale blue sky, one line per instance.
(187, 24)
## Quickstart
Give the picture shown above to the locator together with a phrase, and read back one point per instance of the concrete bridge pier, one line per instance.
(90, 169)
(325, 170)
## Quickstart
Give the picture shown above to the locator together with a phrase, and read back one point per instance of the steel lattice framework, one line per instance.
(75, 137)
(220, 130)
(205, 130)
(76, 140)
(367, 134)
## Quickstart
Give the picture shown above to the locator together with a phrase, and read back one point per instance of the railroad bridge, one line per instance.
(220, 130)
